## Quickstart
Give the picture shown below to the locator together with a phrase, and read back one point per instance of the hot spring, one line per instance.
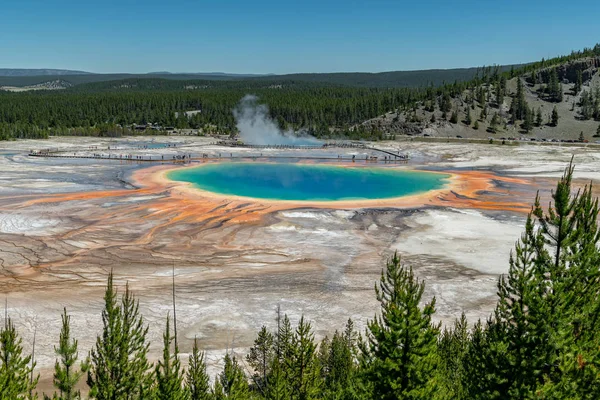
(308, 182)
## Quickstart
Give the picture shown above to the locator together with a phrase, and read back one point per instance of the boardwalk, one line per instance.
(185, 158)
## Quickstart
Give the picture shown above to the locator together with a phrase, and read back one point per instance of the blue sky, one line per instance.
(289, 36)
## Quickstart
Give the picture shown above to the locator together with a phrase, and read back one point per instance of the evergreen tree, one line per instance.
(578, 82)
(560, 93)
(303, 365)
(554, 120)
(454, 117)
(197, 382)
(538, 118)
(453, 347)
(483, 360)
(338, 364)
(587, 105)
(513, 111)
(169, 373)
(533, 77)
(446, 102)
(233, 380)
(15, 368)
(66, 374)
(554, 89)
(278, 387)
(260, 358)
(577, 300)
(217, 391)
(528, 120)
(518, 333)
(543, 336)
(117, 366)
(481, 96)
(521, 108)
(468, 119)
(572, 288)
(483, 114)
(399, 357)
(476, 125)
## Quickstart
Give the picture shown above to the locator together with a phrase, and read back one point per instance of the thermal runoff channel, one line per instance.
(308, 182)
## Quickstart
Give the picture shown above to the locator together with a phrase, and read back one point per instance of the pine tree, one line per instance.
(560, 93)
(302, 364)
(197, 382)
(485, 364)
(217, 391)
(519, 102)
(476, 125)
(338, 364)
(597, 132)
(117, 366)
(15, 368)
(500, 91)
(468, 119)
(513, 111)
(233, 380)
(533, 77)
(528, 120)
(554, 120)
(278, 387)
(579, 305)
(572, 282)
(66, 374)
(278, 381)
(538, 118)
(452, 348)
(169, 373)
(454, 117)
(554, 89)
(260, 358)
(578, 82)
(446, 102)
(399, 357)
(518, 333)
(483, 114)
(481, 96)
(543, 336)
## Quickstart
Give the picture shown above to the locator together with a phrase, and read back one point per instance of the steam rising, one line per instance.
(257, 127)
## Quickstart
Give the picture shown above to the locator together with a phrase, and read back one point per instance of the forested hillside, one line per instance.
(493, 101)
(556, 99)
(542, 340)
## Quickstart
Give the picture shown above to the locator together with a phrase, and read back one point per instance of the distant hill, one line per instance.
(392, 79)
(216, 74)
(18, 72)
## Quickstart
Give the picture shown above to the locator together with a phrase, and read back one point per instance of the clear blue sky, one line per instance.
(264, 36)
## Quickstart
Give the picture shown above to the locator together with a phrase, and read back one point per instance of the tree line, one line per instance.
(541, 341)
(324, 109)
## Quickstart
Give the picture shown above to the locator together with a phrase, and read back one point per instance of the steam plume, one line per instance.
(257, 127)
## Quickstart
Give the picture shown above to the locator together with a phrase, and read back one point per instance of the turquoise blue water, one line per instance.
(308, 182)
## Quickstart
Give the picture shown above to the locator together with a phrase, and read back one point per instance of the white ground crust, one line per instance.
(466, 237)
